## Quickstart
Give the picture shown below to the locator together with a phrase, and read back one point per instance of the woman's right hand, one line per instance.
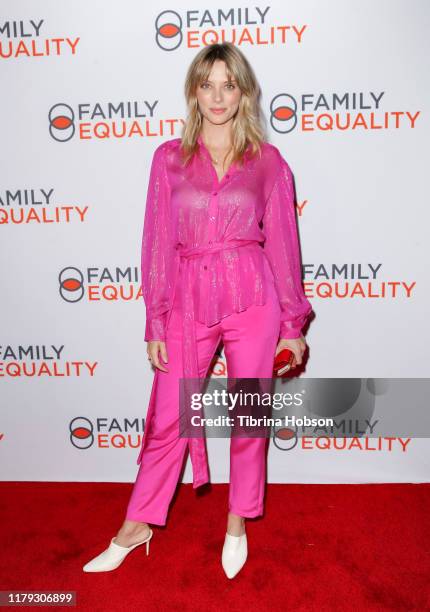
(155, 348)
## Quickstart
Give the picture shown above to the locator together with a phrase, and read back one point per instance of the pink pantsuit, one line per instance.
(220, 260)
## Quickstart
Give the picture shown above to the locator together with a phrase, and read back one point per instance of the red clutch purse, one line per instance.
(283, 362)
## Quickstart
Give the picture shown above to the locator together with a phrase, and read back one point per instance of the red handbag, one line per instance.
(283, 362)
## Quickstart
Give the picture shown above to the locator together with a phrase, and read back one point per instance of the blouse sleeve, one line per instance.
(158, 251)
(282, 249)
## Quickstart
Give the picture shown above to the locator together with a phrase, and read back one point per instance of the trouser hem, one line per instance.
(245, 513)
(145, 519)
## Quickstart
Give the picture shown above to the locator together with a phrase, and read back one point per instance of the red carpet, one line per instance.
(318, 547)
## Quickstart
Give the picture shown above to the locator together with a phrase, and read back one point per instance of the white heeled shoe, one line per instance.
(113, 556)
(234, 554)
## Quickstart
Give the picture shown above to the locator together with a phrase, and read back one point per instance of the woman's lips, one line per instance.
(217, 111)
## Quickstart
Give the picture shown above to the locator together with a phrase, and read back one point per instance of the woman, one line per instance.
(220, 261)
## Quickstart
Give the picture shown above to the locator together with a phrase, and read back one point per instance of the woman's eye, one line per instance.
(229, 85)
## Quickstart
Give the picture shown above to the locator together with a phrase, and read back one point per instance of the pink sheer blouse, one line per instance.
(223, 240)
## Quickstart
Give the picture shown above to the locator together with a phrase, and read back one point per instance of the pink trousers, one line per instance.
(250, 338)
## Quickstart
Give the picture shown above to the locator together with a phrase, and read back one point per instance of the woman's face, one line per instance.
(217, 92)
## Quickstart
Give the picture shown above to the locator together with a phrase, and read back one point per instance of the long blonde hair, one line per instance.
(247, 127)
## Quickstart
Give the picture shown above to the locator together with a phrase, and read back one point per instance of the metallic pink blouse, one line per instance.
(229, 237)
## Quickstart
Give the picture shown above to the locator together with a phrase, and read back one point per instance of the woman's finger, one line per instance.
(155, 358)
(300, 352)
(163, 352)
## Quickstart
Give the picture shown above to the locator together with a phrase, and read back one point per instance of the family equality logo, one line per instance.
(100, 284)
(107, 120)
(25, 39)
(106, 432)
(42, 361)
(334, 111)
(40, 206)
(254, 26)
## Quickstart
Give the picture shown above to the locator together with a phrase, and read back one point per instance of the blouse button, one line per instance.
(215, 193)
(205, 267)
(210, 241)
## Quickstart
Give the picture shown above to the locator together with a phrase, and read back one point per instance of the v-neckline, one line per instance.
(229, 170)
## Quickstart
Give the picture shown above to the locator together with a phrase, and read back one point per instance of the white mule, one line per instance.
(113, 556)
(234, 554)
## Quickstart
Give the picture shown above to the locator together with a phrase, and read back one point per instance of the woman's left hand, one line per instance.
(296, 345)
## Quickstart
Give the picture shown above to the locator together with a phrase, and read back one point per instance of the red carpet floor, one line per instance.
(318, 547)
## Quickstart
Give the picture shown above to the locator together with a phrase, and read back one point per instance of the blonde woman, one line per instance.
(220, 262)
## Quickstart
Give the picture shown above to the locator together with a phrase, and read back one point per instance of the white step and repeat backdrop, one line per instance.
(89, 89)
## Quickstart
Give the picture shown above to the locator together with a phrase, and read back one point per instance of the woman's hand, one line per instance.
(153, 349)
(296, 345)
